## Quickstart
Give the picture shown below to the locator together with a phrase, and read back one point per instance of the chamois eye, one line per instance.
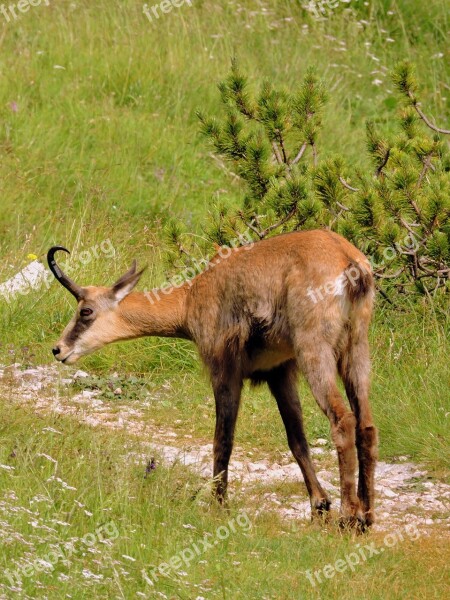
(85, 312)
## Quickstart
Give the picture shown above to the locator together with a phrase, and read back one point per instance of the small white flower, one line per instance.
(146, 578)
(89, 575)
(64, 485)
(52, 430)
(128, 557)
(53, 460)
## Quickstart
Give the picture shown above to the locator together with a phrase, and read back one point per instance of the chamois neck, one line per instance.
(156, 313)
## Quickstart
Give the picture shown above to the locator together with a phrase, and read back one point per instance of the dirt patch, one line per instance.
(405, 491)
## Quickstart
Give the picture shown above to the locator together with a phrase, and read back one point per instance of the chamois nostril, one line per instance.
(56, 351)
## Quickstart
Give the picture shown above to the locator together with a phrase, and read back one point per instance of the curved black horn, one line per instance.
(70, 285)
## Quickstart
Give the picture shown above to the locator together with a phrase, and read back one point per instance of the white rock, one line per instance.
(252, 467)
(80, 374)
(29, 278)
(325, 475)
(388, 493)
(321, 442)
(277, 474)
(31, 372)
(418, 474)
(292, 470)
(329, 486)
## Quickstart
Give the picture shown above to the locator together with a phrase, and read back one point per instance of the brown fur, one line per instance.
(296, 301)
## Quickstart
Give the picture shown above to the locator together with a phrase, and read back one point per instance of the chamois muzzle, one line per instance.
(63, 279)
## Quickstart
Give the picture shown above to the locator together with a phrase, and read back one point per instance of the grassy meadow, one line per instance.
(99, 148)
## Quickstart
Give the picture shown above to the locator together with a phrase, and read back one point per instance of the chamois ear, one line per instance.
(126, 283)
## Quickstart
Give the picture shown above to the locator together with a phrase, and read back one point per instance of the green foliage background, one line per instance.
(99, 140)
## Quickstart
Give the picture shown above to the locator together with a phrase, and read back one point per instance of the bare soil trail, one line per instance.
(406, 493)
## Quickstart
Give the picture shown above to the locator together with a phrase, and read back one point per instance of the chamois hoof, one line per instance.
(320, 509)
(369, 518)
(219, 497)
(354, 523)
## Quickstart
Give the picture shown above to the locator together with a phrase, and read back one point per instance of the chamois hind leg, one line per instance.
(282, 383)
(318, 363)
(354, 368)
(227, 393)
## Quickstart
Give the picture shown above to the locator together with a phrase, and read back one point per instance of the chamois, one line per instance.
(295, 302)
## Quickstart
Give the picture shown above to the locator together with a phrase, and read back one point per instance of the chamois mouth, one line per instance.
(66, 360)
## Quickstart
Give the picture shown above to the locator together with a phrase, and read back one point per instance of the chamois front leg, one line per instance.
(227, 394)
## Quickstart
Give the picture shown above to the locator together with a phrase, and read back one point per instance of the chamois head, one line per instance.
(97, 320)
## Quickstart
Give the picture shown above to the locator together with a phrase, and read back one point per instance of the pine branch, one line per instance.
(348, 187)
(407, 226)
(416, 208)
(300, 153)
(383, 293)
(314, 151)
(284, 220)
(404, 80)
(426, 166)
(427, 121)
(283, 149)
(250, 226)
(380, 275)
(276, 151)
(379, 171)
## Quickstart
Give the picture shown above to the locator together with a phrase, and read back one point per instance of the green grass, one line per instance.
(109, 142)
(107, 148)
(114, 513)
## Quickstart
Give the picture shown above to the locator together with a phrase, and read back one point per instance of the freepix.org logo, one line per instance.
(12, 12)
(163, 8)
